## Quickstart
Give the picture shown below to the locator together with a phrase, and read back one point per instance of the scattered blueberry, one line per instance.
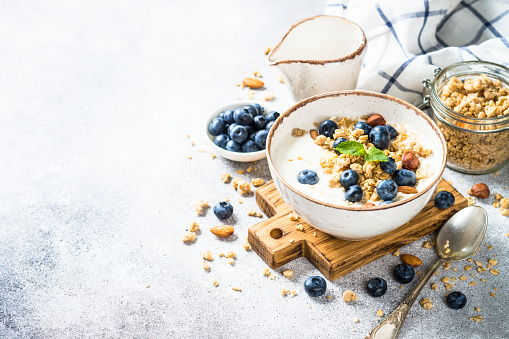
(221, 140)
(363, 126)
(217, 126)
(232, 146)
(261, 138)
(377, 287)
(249, 146)
(272, 116)
(393, 133)
(223, 210)
(404, 273)
(327, 128)
(336, 143)
(456, 300)
(232, 126)
(228, 116)
(242, 117)
(259, 108)
(315, 286)
(404, 177)
(354, 193)
(252, 110)
(387, 189)
(379, 137)
(307, 177)
(386, 202)
(259, 122)
(239, 134)
(349, 178)
(444, 200)
(269, 125)
(388, 166)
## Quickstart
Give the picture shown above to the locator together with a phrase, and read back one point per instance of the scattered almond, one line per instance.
(407, 189)
(411, 260)
(252, 83)
(222, 231)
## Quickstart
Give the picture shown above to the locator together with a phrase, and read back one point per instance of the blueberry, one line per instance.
(259, 122)
(228, 116)
(249, 146)
(388, 166)
(259, 108)
(272, 116)
(387, 189)
(386, 202)
(223, 210)
(261, 138)
(379, 137)
(336, 143)
(239, 134)
(404, 273)
(269, 125)
(242, 117)
(232, 146)
(252, 136)
(363, 126)
(252, 110)
(232, 126)
(392, 132)
(250, 130)
(327, 128)
(456, 300)
(404, 177)
(315, 286)
(221, 140)
(349, 178)
(444, 200)
(307, 177)
(221, 115)
(217, 126)
(377, 287)
(354, 193)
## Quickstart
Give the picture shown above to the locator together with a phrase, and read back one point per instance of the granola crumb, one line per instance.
(239, 171)
(328, 297)
(189, 157)
(463, 277)
(266, 272)
(355, 320)
(496, 204)
(477, 309)
(498, 196)
(268, 96)
(426, 245)
(267, 50)
(445, 279)
(504, 202)
(247, 247)
(231, 254)
(249, 169)
(221, 254)
(212, 155)
(253, 213)
(241, 186)
(426, 303)
(257, 182)
(493, 262)
(231, 261)
(215, 283)
(241, 201)
(299, 227)
(434, 286)
(492, 294)
(207, 256)
(477, 318)
(483, 280)
(494, 271)
(314, 234)
(288, 273)
(281, 78)
(454, 279)
(396, 254)
(188, 136)
(237, 289)
(504, 211)
(200, 207)
(193, 227)
(472, 283)
(349, 296)
(225, 177)
(293, 217)
(448, 286)
(470, 201)
(292, 241)
(468, 268)
(189, 237)
(380, 313)
(205, 266)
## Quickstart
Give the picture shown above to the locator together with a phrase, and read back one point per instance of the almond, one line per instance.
(411, 260)
(368, 204)
(222, 231)
(252, 83)
(313, 133)
(407, 189)
(376, 120)
(481, 191)
(409, 161)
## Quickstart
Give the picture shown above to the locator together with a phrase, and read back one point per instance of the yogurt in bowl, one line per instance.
(323, 205)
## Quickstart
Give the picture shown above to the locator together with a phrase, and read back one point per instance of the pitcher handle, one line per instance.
(380, 31)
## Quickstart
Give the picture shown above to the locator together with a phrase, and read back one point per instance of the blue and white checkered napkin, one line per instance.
(424, 35)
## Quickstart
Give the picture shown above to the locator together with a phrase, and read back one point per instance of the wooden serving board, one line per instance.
(332, 256)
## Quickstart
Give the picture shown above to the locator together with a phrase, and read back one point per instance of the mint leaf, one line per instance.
(374, 154)
(351, 147)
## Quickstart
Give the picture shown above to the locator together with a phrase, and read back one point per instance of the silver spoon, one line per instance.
(457, 240)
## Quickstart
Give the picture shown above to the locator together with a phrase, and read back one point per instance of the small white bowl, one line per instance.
(235, 156)
(351, 222)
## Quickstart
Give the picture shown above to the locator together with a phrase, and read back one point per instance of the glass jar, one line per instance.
(474, 145)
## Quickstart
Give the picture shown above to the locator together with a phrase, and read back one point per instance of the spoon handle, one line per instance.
(389, 328)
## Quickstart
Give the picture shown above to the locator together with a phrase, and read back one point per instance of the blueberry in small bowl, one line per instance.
(354, 193)
(379, 137)
(315, 286)
(327, 128)
(387, 189)
(307, 177)
(348, 178)
(389, 167)
(235, 127)
(404, 177)
(363, 126)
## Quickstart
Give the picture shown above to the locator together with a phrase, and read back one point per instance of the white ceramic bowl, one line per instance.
(235, 156)
(349, 222)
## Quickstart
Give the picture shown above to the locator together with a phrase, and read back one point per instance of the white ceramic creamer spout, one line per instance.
(320, 54)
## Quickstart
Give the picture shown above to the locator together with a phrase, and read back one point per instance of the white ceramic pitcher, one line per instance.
(323, 53)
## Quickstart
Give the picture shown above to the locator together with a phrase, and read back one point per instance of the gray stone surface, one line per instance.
(96, 101)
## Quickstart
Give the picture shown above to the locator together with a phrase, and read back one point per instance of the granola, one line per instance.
(200, 207)
(241, 186)
(257, 182)
(349, 296)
